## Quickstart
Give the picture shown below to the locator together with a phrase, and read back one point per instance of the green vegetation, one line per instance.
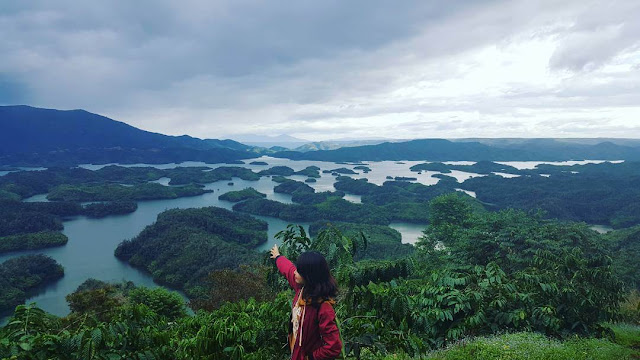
(204, 175)
(278, 170)
(114, 192)
(405, 178)
(35, 225)
(394, 191)
(29, 183)
(32, 241)
(18, 218)
(6, 195)
(293, 187)
(383, 242)
(625, 247)
(110, 178)
(310, 198)
(627, 335)
(100, 210)
(258, 163)
(20, 275)
(333, 209)
(479, 284)
(480, 167)
(341, 170)
(279, 179)
(434, 166)
(527, 346)
(183, 246)
(596, 194)
(364, 168)
(394, 201)
(523, 274)
(241, 195)
(563, 268)
(29, 226)
(630, 308)
(309, 171)
(233, 285)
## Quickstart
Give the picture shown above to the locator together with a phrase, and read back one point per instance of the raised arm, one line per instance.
(285, 267)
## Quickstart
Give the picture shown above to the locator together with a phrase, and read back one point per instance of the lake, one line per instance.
(89, 252)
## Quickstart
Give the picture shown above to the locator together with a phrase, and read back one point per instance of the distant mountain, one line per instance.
(332, 145)
(502, 142)
(36, 136)
(574, 149)
(265, 141)
(445, 150)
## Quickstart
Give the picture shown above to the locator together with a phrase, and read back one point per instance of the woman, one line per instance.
(313, 333)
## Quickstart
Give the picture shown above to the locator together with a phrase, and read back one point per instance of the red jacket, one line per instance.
(319, 332)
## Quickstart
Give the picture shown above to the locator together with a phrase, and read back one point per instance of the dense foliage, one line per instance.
(474, 273)
(32, 241)
(203, 175)
(241, 195)
(597, 194)
(233, 285)
(278, 170)
(523, 273)
(115, 192)
(29, 183)
(102, 209)
(383, 242)
(480, 167)
(566, 267)
(309, 171)
(333, 209)
(293, 187)
(625, 247)
(18, 218)
(20, 275)
(184, 245)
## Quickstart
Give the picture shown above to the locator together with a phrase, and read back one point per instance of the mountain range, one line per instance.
(32, 136)
(446, 150)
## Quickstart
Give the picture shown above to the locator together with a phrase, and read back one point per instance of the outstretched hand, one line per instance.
(275, 252)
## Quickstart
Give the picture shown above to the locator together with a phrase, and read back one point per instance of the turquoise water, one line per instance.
(89, 252)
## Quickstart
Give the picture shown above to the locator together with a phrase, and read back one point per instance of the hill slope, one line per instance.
(445, 150)
(30, 135)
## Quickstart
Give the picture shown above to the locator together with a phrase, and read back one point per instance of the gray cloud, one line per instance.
(216, 68)
(599, 32)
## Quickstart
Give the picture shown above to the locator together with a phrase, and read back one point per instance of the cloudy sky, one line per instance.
(332, 69)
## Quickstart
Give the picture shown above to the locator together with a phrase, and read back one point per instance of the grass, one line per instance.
(627, 335)
(534, 346)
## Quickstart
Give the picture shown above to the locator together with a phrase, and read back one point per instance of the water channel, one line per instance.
(89, 252)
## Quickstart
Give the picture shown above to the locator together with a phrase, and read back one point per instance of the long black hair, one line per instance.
(319, 285)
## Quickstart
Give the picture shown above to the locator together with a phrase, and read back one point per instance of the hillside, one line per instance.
(35, 136)
(445, 150)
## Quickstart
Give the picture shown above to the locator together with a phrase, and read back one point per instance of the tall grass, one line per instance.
(535, 346)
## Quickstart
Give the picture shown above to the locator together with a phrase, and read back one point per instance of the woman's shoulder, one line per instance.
(326, 306)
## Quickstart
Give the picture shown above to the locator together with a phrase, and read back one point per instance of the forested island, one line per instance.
(183, 246)
(518, 258)
(21, 275)
(492, 271)
(241, 195)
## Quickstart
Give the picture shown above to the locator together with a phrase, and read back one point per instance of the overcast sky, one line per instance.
(331, 69)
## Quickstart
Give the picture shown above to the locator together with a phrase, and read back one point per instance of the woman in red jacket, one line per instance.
(313, 333)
